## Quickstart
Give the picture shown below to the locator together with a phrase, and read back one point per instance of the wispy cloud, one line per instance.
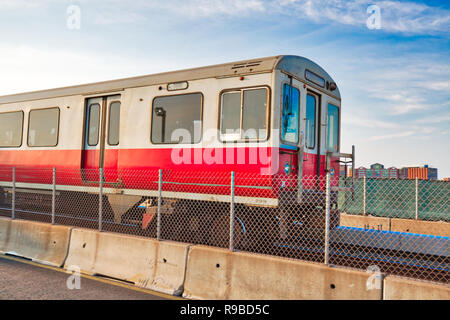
(368, 122)
(410, 83)
(392, 136)
(23, 4)
(434, 119)
(397, 16)
(31, 68)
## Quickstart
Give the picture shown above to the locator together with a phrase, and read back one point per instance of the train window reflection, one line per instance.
(43, 127)
(243, 114)
(254, 110)
(11, 127)
(332, 128)
(93, 124)
(114, 123)
(176, 119)
(230, 112)
(290, 117)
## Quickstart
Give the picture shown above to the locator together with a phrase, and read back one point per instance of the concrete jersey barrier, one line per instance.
(202, 272)
(214, 273)
(5, 225)
(157, 265)
(40, 242)
(434, 228)
(397, 288)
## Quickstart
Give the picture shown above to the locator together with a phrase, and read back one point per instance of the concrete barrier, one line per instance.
(5, 225)
(40, 242)
(435, 228)
(365, 222)
(145, 262)
(214, 273)
(396, 288)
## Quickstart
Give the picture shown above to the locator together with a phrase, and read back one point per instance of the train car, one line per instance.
(275, 122)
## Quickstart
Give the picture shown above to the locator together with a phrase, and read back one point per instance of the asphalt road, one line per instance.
(25, 280)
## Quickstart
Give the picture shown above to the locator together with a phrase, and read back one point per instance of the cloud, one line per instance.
(32, 68)
(367, 122)
(437, 85)
(434, 119)
(409, 83)
(23, 4)
(408, 108)
(392, 136)
(410, 17)
(397, 16)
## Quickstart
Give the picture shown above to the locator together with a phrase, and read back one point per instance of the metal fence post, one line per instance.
(158, 227)
(54, 196)
(417, 198)
(327, 220)
(13, 200)
(365, 195)
(232, 212)
(100, 200)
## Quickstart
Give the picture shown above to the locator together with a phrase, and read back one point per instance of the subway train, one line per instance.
(273, 122)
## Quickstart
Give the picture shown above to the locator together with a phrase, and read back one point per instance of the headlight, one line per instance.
(287, 168)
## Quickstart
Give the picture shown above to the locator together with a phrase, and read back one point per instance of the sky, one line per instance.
(390, 59)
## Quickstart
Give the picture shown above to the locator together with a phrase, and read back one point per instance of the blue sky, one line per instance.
(395, 81)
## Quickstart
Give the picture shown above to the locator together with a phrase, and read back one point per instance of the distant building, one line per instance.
(446, 179)
(422, 173)
(377, 170)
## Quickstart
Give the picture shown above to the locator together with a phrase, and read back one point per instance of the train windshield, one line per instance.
(289, 126)
(332, 128)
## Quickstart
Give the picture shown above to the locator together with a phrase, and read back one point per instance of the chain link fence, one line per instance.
(243, 211)
(397, 198)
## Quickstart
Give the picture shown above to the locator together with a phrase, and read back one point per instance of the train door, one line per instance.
(101, 138)
(332, 139)
(291, 142)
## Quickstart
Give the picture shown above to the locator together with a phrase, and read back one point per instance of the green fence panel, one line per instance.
(396, 198)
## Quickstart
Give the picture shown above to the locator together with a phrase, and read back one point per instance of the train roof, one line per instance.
(293, 65)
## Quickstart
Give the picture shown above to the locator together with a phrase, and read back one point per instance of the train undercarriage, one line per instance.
(185, 220)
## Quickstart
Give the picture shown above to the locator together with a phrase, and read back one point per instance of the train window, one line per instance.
(332, 128)
(43, 126)
(11, 128)
(244, 114)
(254, 110)
(310, 134)
(176, 119)
(314, 78)
(114, 123)
(93, 124)
(290, 117)
(231, 112)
